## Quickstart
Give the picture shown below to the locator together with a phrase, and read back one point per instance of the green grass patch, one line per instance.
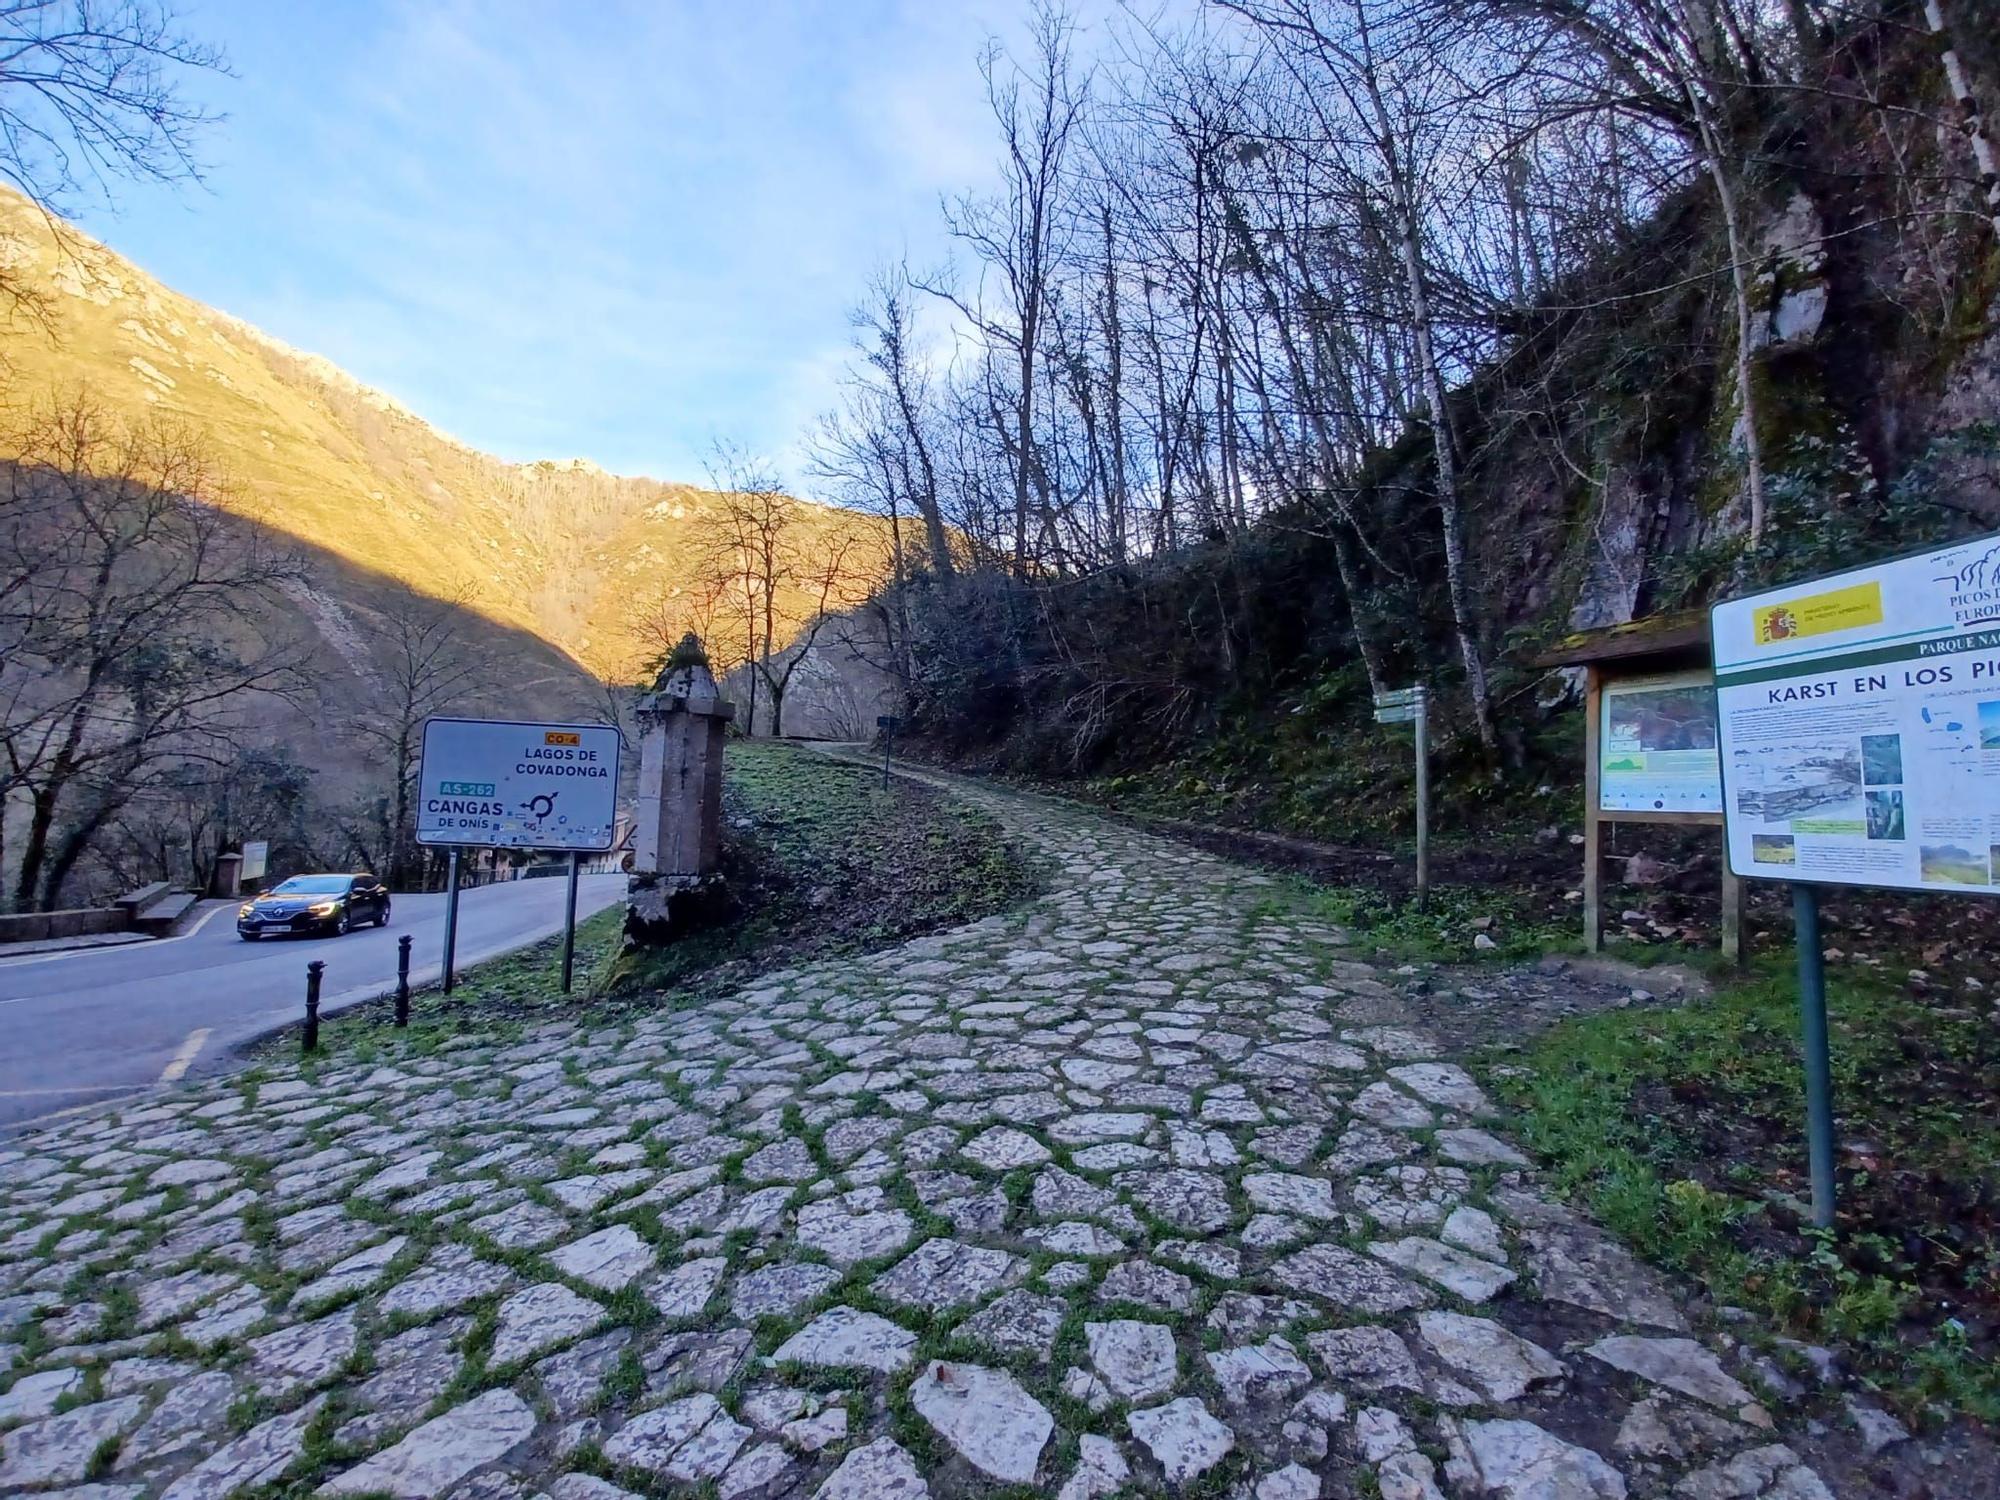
(1446, 929)
(824, 858)
(1683, 1130)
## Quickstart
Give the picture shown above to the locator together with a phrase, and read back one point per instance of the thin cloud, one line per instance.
(611, 231)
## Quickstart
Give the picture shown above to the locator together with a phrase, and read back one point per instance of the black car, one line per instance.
(315, 903)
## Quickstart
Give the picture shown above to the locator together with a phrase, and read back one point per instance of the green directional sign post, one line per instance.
(1411, 705)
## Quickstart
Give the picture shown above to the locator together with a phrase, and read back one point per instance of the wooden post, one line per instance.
(1593, 824)
(403, 979)
(1732, 912)
(314, 971)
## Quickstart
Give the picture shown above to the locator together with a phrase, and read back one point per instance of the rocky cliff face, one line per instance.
(1609, 457)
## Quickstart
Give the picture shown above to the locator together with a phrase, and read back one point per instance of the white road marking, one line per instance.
(49, 958)
(76, 1088)
(188, 1052)
(180, 937)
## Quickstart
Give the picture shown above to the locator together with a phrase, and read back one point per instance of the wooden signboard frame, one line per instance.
(1642, 649)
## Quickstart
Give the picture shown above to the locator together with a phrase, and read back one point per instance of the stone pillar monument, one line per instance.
(677, 846)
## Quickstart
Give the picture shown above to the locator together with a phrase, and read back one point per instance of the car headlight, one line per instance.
(325, 908)
(245, 909)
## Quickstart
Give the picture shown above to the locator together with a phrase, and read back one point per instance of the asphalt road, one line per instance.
(89, 1025)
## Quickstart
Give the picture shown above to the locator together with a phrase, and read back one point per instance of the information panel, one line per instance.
(1860, 725)
(495, 784)
(1656, 745)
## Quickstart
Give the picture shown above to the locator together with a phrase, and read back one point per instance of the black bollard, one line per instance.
(403, 979)
(313, 971)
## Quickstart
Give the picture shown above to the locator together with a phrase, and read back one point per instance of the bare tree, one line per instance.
(137, 624)
(886, 325)
(787, 575)
(90, 91)
(1018, 236)
(175, 830)
(1971, 119)
(429, 659)
(1342, 48)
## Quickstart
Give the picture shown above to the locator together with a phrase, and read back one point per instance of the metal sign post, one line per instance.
(1422, 725)
(1818, 1058)
(450, 920)
(569, 919)
(1411, 705)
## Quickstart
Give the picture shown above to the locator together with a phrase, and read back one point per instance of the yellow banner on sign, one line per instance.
(557, 737)
(1819, 614)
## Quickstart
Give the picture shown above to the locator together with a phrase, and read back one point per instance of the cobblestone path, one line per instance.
(1146, 1189)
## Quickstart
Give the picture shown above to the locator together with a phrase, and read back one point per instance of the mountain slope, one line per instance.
(560, 549)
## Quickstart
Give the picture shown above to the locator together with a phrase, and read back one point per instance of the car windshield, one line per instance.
(313, 885)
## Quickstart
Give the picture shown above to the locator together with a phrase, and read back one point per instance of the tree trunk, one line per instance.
(69, 849)
(1746, 387)
(1114, 337)
(1450, 512)
(1971, 121)
(1024, 417)
(35, 848)
(936, 537)
(1307, 399)
(399, 838)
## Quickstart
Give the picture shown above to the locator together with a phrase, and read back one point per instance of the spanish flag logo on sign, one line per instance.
(1819, 614)
(1777, 623)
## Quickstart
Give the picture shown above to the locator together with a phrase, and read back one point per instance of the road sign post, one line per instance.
(450, 919)
(569, 920)
(502, 784)
(1411, 705)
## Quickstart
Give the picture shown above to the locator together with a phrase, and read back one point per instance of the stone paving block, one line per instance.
(985, 1417)
(610, 1260)
(443, 1451)
(1135, 1360)
(58, 1449)
(843, 1337)
(1186, 1441)
(539, 1318)
(259, 1457)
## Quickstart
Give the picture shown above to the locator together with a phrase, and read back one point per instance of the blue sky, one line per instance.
(599, 229)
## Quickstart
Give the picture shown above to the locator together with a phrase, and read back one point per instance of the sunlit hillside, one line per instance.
(560, 549)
